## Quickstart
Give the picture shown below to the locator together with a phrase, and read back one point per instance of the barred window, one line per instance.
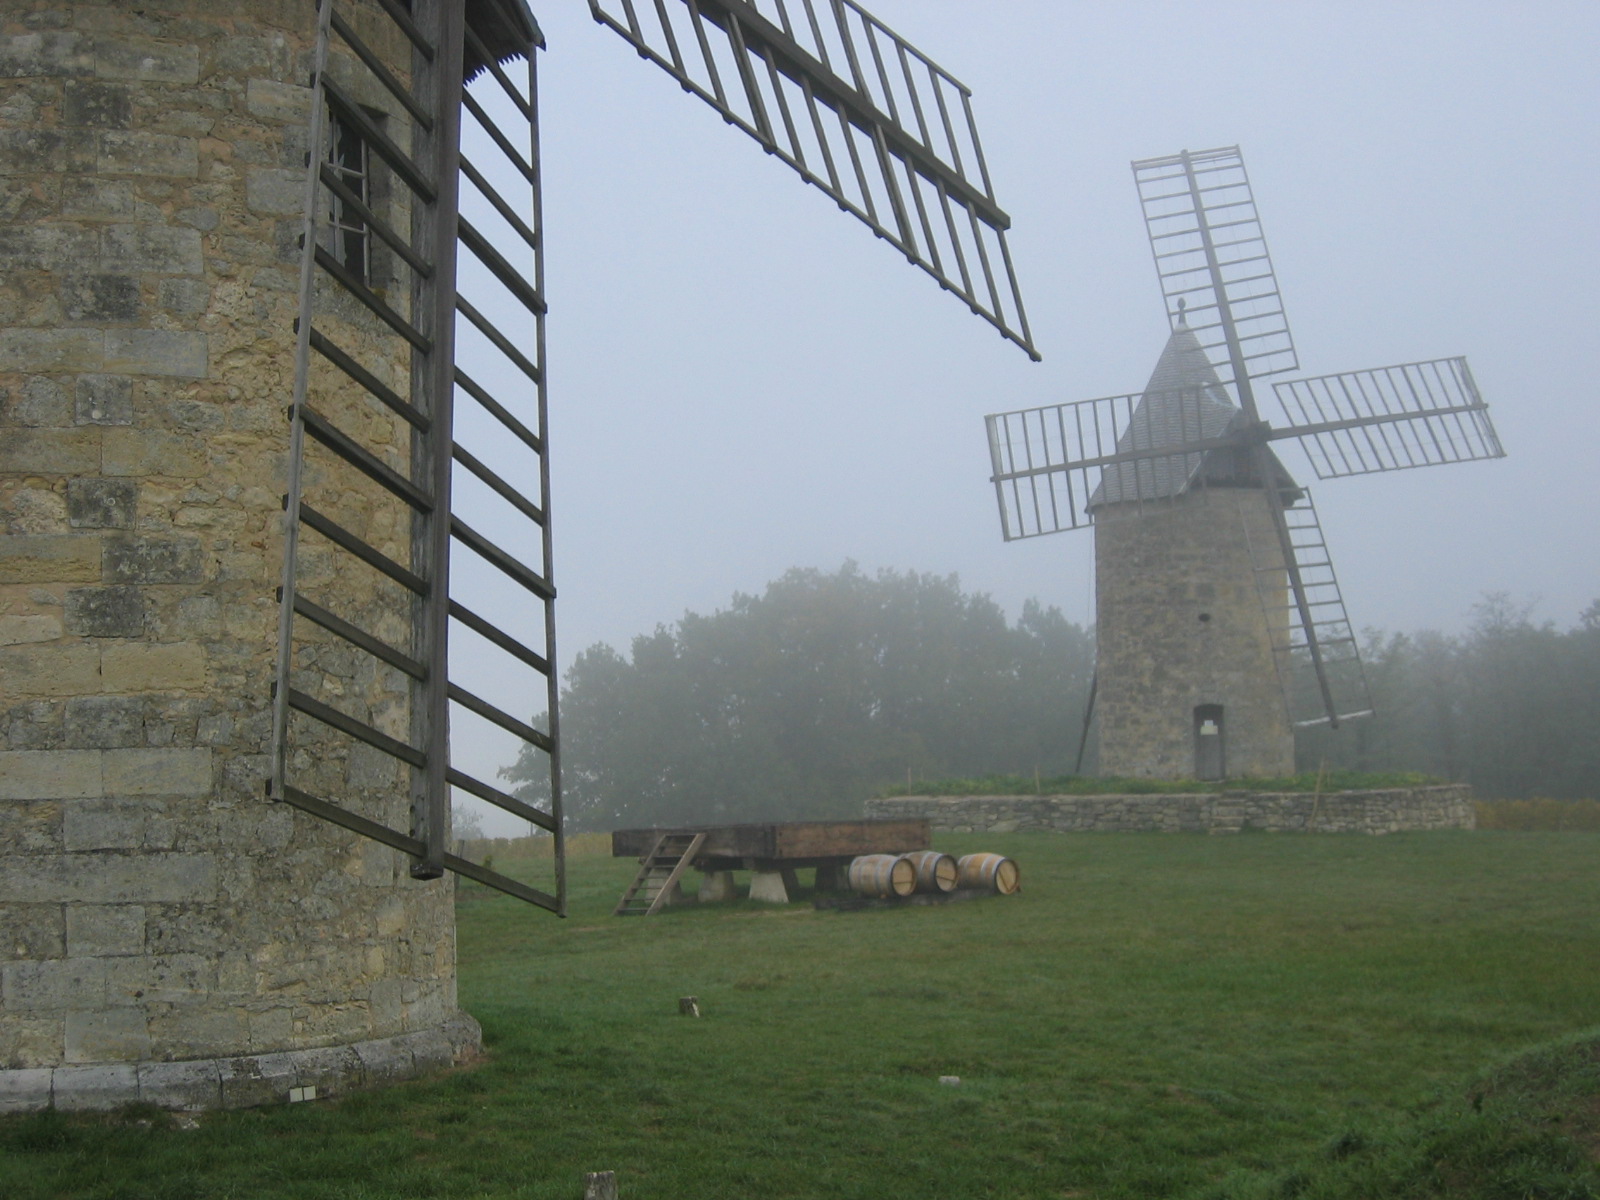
(348, 156)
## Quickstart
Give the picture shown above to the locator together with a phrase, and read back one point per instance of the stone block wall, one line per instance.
(1180, 623)
(154, 907)
(1447, 806)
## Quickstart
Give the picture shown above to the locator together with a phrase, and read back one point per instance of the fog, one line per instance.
(742, 379)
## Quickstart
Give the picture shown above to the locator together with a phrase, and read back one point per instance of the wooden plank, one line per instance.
(827, 839)
(729, 841)
(787, 841)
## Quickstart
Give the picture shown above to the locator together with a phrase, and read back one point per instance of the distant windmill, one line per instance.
(1220, 622)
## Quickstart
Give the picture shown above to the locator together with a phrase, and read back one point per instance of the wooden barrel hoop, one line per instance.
(991, 872)
(882, 875)
(935, 872)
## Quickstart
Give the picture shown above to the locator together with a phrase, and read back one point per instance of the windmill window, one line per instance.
(351, 161)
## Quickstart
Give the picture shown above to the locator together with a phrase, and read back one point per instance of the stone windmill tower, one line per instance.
(1220, 625)
(1182, 626)
(233, 646)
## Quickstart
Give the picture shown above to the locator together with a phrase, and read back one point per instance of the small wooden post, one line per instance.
(600, 1185)
(1316, 797)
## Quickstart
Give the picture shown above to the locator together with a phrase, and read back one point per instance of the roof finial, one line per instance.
(1183, 321)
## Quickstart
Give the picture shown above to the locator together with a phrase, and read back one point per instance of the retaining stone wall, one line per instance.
(1448, 806)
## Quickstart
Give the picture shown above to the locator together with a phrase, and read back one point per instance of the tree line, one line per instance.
(1511, 706)
(802, 701)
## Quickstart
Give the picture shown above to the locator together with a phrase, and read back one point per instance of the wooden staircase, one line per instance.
(658, 872)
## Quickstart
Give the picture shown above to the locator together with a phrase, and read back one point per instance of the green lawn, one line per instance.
(1152, 1016)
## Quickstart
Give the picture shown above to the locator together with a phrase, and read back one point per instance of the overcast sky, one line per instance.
(743, 379)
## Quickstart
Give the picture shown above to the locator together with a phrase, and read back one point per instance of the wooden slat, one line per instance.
(354, 822)
(375, 559)
(363, 460)
(535, 816)
(460, 695)
(503, 883)
(371, 301)
(352, 113)
(379, 390)
(357, 636)
(499, 411)
(379, 832)
(359, 730)
(499, 637)
(522, 573)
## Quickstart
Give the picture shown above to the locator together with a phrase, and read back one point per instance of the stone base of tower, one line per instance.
(243, 1081)
(1185, 636)
(161, 921)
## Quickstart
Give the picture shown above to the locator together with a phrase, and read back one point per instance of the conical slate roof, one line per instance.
(1183, 403)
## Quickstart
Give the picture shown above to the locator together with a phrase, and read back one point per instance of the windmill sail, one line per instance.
(1389, 418)
(1054, 466)
(415, 270)
(1328, 629)
(856, 110)
(1211, 258)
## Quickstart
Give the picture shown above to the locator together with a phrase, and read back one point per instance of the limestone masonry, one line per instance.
(1447, 806)
(166, 933)
(1180, 626)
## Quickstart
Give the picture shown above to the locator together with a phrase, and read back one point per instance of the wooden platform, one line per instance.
(778, 846)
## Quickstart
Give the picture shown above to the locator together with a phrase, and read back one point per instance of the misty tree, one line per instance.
(800, 702)
(465, 823)
(1511, 707)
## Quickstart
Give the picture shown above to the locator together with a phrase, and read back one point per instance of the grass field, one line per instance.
(1152, 1016)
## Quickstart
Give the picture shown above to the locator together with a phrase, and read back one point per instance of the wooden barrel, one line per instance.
(882, 875)
(935, 872)
(991, 872)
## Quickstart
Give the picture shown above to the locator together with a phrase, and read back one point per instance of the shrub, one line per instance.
(1540, 814)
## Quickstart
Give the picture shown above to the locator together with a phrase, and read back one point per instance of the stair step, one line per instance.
(659, 870)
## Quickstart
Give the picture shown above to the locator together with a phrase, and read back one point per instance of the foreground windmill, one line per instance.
(1219, 620)
(861, 114)
(231, 643)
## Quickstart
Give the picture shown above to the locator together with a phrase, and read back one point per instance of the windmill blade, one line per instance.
(857, 111)
(1053, 466)
(1212, 260)
(1389, 419)
(1313, 644)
